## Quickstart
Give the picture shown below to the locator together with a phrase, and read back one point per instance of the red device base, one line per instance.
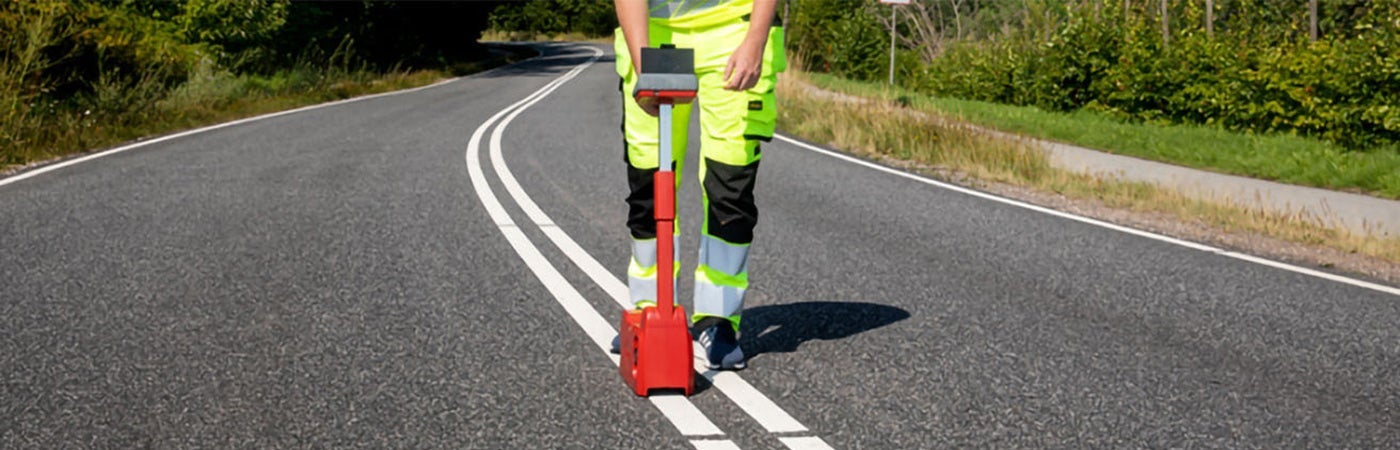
(656, 351)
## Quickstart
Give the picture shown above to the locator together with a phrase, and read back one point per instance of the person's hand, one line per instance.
(649, 105)
(745, 66)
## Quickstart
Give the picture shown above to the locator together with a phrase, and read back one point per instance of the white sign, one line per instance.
(895, 2)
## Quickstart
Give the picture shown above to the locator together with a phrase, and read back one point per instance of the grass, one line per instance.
(118, 112)
(1284, 158)
(123, 112)
(885, 128)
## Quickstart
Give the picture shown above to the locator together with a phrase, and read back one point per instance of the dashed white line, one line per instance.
(804, 443)
(1100, 223)
(707, 444)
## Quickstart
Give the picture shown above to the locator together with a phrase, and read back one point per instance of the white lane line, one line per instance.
(680, 411)
(804, 443)
(1096, 222)
(748, 398)
(706, 444)
(56, 166)
(767, 413)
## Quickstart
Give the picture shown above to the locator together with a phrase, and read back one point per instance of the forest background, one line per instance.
(77, 75)
(1300, 91)
(1323, 68)
(81, 74)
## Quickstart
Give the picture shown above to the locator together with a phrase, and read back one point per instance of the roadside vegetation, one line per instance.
(81, 75)
(1286, 158)
(552, 20)
(1252, 66)
(1245, 87)
(890, 129)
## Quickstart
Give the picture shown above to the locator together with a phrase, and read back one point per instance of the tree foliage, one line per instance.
(62, 60)
(1257, 71)
(589, 17)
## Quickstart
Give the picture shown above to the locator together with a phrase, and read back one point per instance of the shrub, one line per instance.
(1340, 89)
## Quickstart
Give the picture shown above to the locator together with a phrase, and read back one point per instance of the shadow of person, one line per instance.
(783, 328)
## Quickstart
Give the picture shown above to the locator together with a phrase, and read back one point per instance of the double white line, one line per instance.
(683, 414)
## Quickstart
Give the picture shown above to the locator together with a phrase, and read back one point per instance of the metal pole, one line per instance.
(1166, 32)
(1210, 18)
(892, 31)
(663, 162)
(1312, 20)
(1126, 7)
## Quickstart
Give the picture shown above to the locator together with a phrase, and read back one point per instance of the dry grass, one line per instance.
(887, 129)
(134, 112)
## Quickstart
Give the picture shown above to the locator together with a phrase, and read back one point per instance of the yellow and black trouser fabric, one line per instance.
(732, 124)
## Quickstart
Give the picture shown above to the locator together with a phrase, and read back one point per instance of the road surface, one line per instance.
(439, 268)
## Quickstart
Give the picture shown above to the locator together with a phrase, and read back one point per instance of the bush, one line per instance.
(1341, 89)
(594, 18)
(68, 68)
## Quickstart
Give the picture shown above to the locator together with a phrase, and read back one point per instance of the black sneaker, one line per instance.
(721, 343)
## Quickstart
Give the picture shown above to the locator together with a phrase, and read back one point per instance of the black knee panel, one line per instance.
(732, 214)
(640, 202)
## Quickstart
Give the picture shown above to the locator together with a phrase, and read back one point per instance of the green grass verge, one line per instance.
(943, 149)
(124, 113)
(118, 113)
(1283, 158)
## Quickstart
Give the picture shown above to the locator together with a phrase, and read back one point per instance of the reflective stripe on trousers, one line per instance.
(641, 272)
(721, 279)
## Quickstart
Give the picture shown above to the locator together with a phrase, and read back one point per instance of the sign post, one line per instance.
(893, 31)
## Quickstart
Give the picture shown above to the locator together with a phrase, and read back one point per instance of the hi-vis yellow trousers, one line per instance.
(732, 125)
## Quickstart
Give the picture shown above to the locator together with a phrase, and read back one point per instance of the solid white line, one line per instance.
(680, 411)
(804, 443)
(767, 413)
(749, 399)
(1100, 223)
(56, 166)
(707, 444)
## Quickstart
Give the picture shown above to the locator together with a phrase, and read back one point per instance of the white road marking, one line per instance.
(707, 444)
(60, 165)
(748, 398)
(680, 411)
(767, 413)
(1096, 222)
(804, 443)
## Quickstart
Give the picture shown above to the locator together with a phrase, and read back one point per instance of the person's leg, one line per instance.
(640, 140)
(733, 126)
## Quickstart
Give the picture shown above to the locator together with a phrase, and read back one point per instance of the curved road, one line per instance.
(439, 268)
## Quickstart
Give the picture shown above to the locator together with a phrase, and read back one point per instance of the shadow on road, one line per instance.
(783, 328)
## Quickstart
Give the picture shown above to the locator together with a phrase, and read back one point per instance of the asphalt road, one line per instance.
(334, 278)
